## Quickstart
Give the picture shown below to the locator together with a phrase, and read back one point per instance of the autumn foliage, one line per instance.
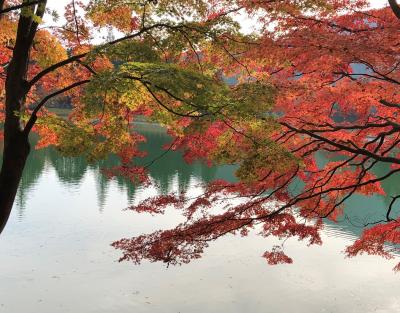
(317, 80)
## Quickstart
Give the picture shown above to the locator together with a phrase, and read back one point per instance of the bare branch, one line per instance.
(395, 8)
(17, 7)
(33, 118)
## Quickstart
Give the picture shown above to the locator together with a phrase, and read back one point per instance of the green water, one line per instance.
(165, 168)
(56, 257)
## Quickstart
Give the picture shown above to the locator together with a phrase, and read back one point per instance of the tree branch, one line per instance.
(395, 8)
(75, 58)
(33, 118)
(357, 150)
(17, 7)
(388, 218)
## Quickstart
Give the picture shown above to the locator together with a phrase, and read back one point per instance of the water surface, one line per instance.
(56, 256)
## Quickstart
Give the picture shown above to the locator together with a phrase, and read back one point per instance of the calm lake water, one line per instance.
(56, 256)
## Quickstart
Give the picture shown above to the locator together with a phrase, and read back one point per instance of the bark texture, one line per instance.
(16, 144)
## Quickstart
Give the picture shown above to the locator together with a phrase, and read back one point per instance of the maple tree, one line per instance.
(336, 79)
(318, 77)
(123, 77)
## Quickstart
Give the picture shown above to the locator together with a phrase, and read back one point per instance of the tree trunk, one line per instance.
(16, 150)
(16, 144)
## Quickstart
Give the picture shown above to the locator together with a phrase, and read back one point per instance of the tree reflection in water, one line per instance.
(71, 171)
(171, 169)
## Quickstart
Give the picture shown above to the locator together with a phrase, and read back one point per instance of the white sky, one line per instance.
(247, 26)
(378, 3)
(60, 4)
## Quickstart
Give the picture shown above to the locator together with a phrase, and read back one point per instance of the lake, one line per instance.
(56, 256)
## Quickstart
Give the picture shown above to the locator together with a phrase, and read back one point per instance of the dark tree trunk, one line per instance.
(395, 8)
(16, 145)
(16, 151)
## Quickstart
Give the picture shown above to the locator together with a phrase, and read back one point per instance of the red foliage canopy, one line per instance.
(337, 77)
(318, 78)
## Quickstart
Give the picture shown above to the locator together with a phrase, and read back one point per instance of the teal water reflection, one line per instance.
(71, 171)
(56, 257)
(166, 168)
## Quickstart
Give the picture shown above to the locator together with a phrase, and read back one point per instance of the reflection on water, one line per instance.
(164, 172)
(55, 253)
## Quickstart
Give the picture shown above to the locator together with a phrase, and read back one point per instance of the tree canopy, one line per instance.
(318, 78)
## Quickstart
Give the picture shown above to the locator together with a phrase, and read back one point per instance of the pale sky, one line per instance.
(247, 26)
(60, 4)
(378, 3)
